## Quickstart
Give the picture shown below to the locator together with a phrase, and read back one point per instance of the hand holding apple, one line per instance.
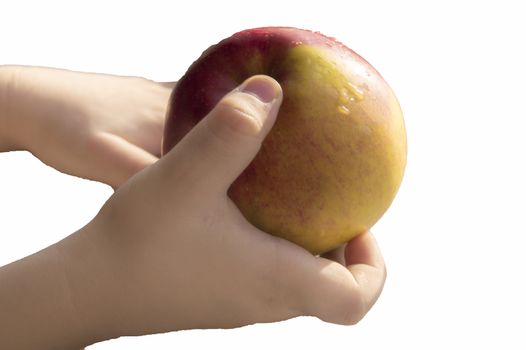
(169, 250)
(334, 160)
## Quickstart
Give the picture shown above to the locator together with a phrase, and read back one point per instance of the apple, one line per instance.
(334, 160)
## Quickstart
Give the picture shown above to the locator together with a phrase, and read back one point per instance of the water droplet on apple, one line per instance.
(344, 110)
(355, 91)
(343, 96)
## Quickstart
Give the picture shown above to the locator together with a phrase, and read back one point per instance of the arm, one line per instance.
(36, 311)
(96, 126)
(7, 133)
(169, 251)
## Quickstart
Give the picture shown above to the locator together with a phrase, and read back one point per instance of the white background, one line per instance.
(453, 240)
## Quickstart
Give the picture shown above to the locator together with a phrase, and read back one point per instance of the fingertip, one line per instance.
(168, 84)
(365, 262)
(249, 110)
(363, 249)
(263, 87)
(228, 138)
(337, 254)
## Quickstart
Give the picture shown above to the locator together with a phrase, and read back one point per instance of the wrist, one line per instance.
(90, 283)
(8, 131)
(60, 297)
(20, 106)
(37, 311)
(29, 100)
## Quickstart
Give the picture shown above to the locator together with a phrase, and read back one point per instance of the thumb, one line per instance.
(222, 144)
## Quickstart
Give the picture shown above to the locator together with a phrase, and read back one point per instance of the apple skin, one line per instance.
(334, 160)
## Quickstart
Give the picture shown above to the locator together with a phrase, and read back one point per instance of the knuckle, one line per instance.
(224, 131)
(355, 311)
(241, 114)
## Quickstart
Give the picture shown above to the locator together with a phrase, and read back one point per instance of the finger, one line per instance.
(168, 84)
(337, 254)
(366, 264)
(363, 250)
(115, 160)
(347, 254)
(215, 152)
(339, 294)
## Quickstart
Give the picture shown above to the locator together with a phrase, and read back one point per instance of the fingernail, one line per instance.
(264, 88)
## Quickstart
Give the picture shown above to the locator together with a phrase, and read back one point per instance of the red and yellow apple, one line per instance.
(334, 160)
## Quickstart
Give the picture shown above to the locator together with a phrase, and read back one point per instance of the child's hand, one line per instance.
(170, 251)
(96, 126)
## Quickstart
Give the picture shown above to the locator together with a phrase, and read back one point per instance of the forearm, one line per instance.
(30, 99)
(22, 105)
(36, 310)
(7, 138)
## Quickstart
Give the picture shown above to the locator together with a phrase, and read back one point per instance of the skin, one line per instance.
(96, 126)
(158, 257)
